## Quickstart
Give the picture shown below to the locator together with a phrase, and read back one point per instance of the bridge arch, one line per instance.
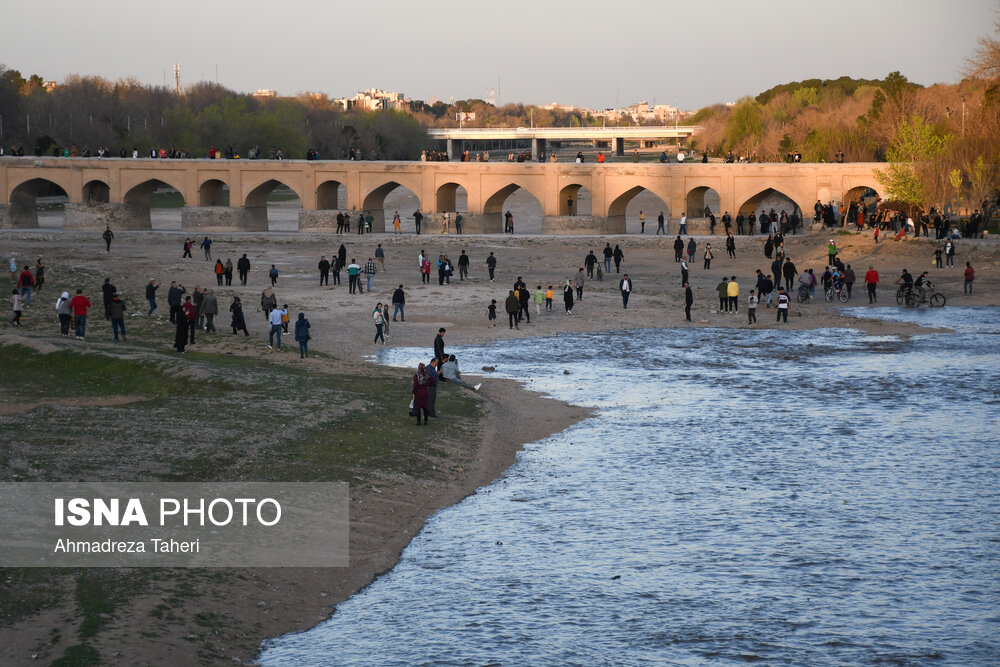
(618, 213)
(495, 205)
(447, 197)
(255, 203)
(213, 192)
(698, 198)
(572, 203)
(328, 194)
(374, 204)
(24, 200)
(96, 192)
(138, 200)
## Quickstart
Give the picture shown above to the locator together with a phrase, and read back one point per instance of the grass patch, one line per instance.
(29, 374)
(81, 655)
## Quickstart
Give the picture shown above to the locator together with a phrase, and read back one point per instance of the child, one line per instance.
(549, 295)
(285, 318)
(491, 312)
(876, 235)
(752, 301)
(538, 297)
(18, 307)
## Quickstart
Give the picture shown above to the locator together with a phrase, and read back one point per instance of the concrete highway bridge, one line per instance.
(231, 195)
(614, 137)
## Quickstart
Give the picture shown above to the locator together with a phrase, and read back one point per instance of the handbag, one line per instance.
(413, 409)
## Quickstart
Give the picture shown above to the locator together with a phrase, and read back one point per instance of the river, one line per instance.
(817, 497)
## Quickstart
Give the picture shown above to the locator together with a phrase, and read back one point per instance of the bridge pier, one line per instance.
(224, 219)
(17, 216)
(619, 146)
(557, 225)
(98, 216)
(318, 221)
(455, 149)
(537, 147)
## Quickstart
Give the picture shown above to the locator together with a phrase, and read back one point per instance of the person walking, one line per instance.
(684, 272)
(783, 303)
(708, 256)
(273, 275)
(871, 282)
(399, 304)
(274, 319)
(228, 272)
(688, 301)
(619, 256)
(220, 271)
(268, 302)
(491, 264)
(64, 314)
(206, 245)
(578, 283)
(678, 248)
(118, 316)
(370, 270)
(969, 275)
(568, 297)
(302, 335)
(625, 286)
(108, 236)
(26, 284)
(243, 268)
(353, 275)
(422, 382)
(463, 265)
(660, 229)
(238, 323)
(380, 257)
(731, 245)
(187, 249)
(379, 320)
(189, 313)
(512, 306)
(17, 308)
(180, 331)
(608, 254)
(209, 308)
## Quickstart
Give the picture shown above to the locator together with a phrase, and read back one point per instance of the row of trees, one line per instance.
(94, 112)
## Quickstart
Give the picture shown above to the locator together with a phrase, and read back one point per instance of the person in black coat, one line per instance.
(678, 248)
(324, 271)
(439, 345)
(688, 300)
(239, 323)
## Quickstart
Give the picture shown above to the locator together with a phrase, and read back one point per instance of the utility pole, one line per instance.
(177, 80)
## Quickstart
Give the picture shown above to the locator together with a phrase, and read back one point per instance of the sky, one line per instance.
(591, 53)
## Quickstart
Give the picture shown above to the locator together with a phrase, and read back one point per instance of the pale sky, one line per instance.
(594, 53)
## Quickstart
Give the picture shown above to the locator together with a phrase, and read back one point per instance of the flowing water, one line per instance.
(802, 498)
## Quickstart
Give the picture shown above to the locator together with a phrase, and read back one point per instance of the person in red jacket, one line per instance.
(78, 306)
(970, 275)
(871, 281)
(26, 282)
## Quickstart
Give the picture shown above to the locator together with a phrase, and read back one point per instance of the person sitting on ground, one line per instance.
(450, 372)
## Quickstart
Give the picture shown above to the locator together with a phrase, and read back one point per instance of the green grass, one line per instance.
(29, 374)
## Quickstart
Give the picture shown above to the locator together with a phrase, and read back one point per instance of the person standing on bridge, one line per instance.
(660, 229)
(684, 224)
(642, 222)
(508, 223)
(569, 206)
(418, 217)
(396, 226)
(108, 236)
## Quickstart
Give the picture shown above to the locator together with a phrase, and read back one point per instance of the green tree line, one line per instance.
(88, 111)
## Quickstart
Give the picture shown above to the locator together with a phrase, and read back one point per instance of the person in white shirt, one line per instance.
(275, 319)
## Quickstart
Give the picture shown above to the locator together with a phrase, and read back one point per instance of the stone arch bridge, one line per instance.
(118, 191)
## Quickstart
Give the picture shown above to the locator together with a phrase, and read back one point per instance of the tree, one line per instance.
(916, 174)
(984, 63)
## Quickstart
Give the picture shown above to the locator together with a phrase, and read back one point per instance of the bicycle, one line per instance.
(928, 295)
(839, 293)
(902, 295)
(805, 294)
